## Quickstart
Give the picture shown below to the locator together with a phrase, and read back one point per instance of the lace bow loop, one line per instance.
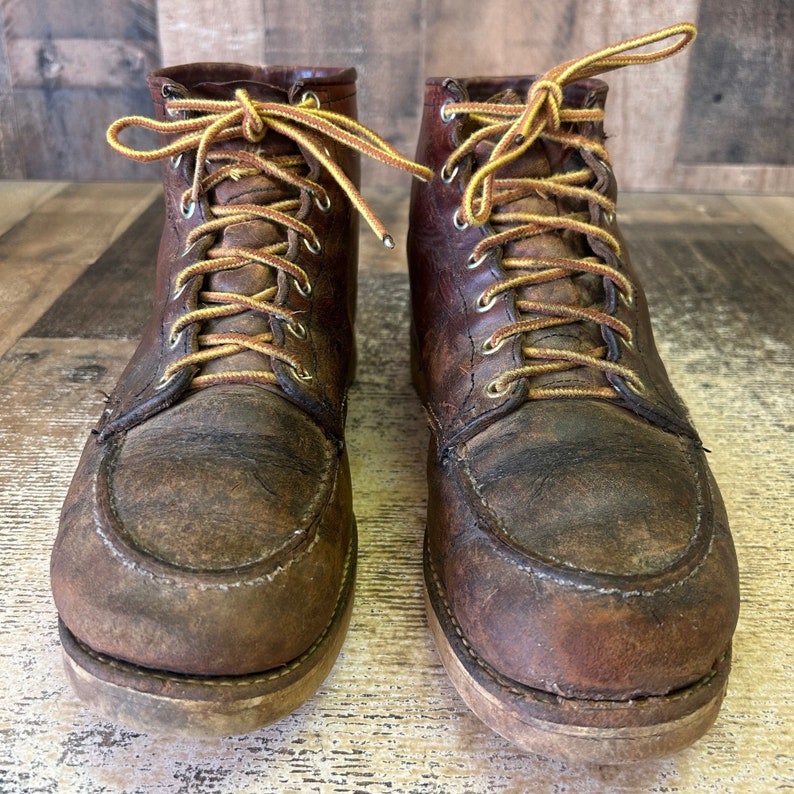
(543, 112)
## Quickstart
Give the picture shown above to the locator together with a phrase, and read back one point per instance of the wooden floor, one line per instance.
(75, 283)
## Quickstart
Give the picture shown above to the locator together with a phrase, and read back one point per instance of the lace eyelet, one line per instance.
(493, 391)
(187, 211)
(609, 218)
(298, 330)
(457, 222)
(176, 161)
(177, 293)
(627, 299)
(173, 339)
(638, 387)
(323, 203)
(302, 376)
(447, 176)
(446, 119)
(304, 291)
(488, 349)
(473, 264)
(314, 247)
(627, 343)
(310, 96)
(164, 381)
(481, 307)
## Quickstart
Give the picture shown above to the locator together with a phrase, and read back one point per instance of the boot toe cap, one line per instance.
(595, 561)
(218, 537)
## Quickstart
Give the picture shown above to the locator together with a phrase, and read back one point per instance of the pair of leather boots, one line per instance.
(581, 582)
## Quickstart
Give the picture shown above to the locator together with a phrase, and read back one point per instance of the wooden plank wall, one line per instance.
(716, 119)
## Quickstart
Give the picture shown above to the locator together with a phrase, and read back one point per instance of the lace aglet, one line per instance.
(388, 241)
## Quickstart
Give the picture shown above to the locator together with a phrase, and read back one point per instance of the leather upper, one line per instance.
(580, 544)
(209, 530)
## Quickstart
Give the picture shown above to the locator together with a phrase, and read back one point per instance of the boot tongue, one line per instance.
(246, 189)
(541, 160)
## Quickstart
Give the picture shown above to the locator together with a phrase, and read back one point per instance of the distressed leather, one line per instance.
(207, 531)
(580, 544)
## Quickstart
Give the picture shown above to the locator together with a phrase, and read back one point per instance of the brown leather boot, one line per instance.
(205, 563)
(580, 576)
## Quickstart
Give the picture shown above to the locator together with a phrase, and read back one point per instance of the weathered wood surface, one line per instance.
(715, 119)
(387, 719)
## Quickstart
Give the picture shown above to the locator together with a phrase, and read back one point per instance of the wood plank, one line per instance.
(199, 30)
(740, 96)
(46, 19)
(10, 156)
(19, 198)
(387, 719)
(75, 121)
(46, 251)
(77, 63)
(113, 297)
(774, 214)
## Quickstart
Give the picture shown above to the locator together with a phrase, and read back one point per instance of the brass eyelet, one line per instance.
(472, 263)
(636, 386)
(314, 247)
(322, 202)
(310, 96)
(304, 291)
(446, 119)
(627, 299)
(459, 224)
(447, 176)
(487, 348)
(493, 391)
(303, 376)
(164, 381)
(481, 307)
(298, 330)
(173, 339)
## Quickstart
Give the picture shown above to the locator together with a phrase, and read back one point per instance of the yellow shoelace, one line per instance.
(200, 123)
(515, 128)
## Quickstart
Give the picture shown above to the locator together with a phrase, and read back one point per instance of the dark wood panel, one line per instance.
(740, 104)
(64, 133)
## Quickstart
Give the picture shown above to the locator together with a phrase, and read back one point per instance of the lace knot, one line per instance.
(549, 93)
(252, 124)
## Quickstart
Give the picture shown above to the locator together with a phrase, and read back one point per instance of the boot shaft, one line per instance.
(546, 271)
(304, 306)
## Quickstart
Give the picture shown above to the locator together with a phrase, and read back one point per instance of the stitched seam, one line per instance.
(536, 694)
(138, 567)
(584, 586)
(242, 681)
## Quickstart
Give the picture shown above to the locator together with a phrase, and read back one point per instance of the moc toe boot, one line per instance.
(581, 580)
(204, 567)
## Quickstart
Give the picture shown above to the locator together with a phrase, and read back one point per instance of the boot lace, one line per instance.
(515, 128)
(199, 125)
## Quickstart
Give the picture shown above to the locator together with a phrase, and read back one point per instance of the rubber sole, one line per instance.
(604, 732)
(202, 706)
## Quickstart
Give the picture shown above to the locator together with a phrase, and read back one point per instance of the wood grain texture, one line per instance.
(67, 69)
(66, 229)
(740, 90)
(387, 719)
(204, 30)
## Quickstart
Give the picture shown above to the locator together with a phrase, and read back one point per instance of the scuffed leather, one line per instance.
(208, 531)
(581, 544)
